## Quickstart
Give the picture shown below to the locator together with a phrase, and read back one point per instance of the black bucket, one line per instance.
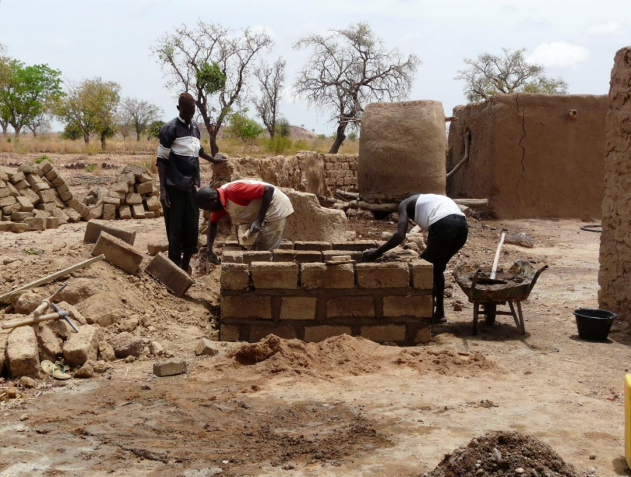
(594, 324)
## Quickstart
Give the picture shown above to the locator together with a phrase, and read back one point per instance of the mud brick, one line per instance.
(249, 257)
(17, 177)
(36, 223)
(57, 181)
(66, 196)
(151, 214)
(411, 306)
(320, 333)
(229, 333)
(5, 226)
(297, 256)
(422, 274)
(28, 168)
(19, 228)
(381, 333)
(205, 347)
(59, 203)
(5, 192)
(128, 179)
(133, 199)
(33, 179)
(22, 355)
(62, 188)
(21, 185)
(319, 275)
(45, 167)
(153, 203)
(286, 245)
(9, 209)
(40, 187)
(424, 335)
(154, 248)
(52, 174)
(109, 212)
(82, 346)
(274, 275)
(170, 275)
(95, 212)
(169, 368)
(144, 188)
(138, 211)
(73, 215)
(319, 246)
(96, 227)
(115, 201)
(350, 307)
(358, 246)
(382, 275)
(48, 207)
(328, 255)
(47, 195)
(21, 216)
(118, 253)
(246, 307)
(231, 256)
(9, 200)
(30, 195)
(235, 276)
(12, 190)
(52, 222)
(124, 212)
(61, 216)
(84, 210)
(258, 332)
(119, 187)
(145, 177)
(25, 204)
(298, 308)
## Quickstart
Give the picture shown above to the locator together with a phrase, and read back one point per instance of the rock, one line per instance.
(205, 347)
(103, 309)
(3, 347)
(84, 372)
(125, 344)
(28, 302)
(169, 368)
(22, 354)
(82, 346)
(128, 325)
(520, 239)
(80, 289)
(27, 382)
(101, 366)
(360, 214)
(49, 343)
(156, 348)
(457, 306)
(497, 455)
(153, 248)
(130, 359)
(11, 392)
(24, 417)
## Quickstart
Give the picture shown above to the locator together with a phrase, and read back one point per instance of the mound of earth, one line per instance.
(503, 454)
(445, 361)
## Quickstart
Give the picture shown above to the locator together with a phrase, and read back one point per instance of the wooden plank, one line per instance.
(497, 256)
(473, 203)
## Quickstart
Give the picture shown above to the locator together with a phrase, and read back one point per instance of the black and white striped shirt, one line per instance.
(179, 149)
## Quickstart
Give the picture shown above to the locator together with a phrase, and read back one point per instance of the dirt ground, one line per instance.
(343, 407)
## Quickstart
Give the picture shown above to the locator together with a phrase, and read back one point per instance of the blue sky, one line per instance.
(111, 38)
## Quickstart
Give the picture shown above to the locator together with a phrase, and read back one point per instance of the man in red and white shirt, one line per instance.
(261, 206)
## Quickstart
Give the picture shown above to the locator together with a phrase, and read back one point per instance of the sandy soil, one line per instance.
(365, 410)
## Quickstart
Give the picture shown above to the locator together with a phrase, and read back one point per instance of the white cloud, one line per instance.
(559, 54)
(605, 29)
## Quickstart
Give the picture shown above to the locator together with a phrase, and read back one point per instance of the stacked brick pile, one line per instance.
(292, 293)
(133, 195)
(341, 171)
(35, 197)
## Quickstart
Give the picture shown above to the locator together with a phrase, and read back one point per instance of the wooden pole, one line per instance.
(497, 256)
(50, 278)
(30, 321)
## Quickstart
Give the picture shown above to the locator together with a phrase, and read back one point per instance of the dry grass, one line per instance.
(52, 143)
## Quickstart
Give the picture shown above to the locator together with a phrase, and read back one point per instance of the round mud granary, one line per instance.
(401, 150)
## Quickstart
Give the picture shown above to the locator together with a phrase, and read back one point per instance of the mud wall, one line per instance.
(530, 157)
(615, 243)
(401, 150)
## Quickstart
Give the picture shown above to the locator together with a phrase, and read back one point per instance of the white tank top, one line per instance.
(430, 208)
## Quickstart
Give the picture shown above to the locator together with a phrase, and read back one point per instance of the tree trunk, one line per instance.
(34, 132)
(137, 135)
(17, 130)
(339, 138)
(214, 148)
(5, 127)
(86, 138)
(103, 141)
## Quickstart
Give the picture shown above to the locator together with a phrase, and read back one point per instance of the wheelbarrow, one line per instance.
(488, 294)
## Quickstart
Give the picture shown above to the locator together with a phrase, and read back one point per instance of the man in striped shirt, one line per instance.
(178, 167)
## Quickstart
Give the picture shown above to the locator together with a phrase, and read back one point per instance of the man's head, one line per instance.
(186, 107)
(208, 199)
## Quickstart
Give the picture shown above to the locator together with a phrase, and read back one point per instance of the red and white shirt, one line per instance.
(242, 201)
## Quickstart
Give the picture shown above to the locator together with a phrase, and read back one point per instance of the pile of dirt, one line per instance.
(502, 454)
(445, 362)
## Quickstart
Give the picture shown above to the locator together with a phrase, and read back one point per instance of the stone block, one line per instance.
(169, 368)
(3, 347)
(133, 199)
(320, 275)
(12, 190)
(258, 332)
(286, 245)
(125, 344)
(49, 343)
(33, 179)
(320, 333)
(6, 226)
(82, 346)
(5, 192)
(382, 333)
(21, 216)
(411, 306)
(119, 187)
(318, 246)
(25, 204)
(115, 201)
(205, 347)
(118, 253)
(62, 188)
(30, 195)
(124, 212)
(153, 203)
(422, 274)
(22, 355)
(52, 222)
(57, 181)
(47, 195)
(138, 211)
(95, 227)
(154, 248)
(297, 256)
(235, 276)
(424, 335)
(229, 333)
(17, 177)
(145, 177)
(29, 168)
(73, 215)
(169, 274)
(357, 246)
(22, 185)
(36, 223)
(151, 214)
(249, 257)
(232, 256)
(40, 187)
(45, 167)
(144, 188)
(267, 275)
(350, 307)
(246, 307)
(109, 212)
(8, 200)
(47, 207)
(327, 255)
(59, 203)
(19, 228)
(66, 196)
(298, 308)
(382, 275)
(51, 174)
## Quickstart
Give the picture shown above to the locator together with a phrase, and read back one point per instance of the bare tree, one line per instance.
(350, 68)
(509, 72)
(140, 114)
(271, 80)
(212, 63)
(39, 122)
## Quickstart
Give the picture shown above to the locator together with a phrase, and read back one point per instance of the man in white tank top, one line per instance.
(448, 231)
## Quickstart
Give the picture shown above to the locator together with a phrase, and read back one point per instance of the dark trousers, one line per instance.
(182, 223)
(446, 237)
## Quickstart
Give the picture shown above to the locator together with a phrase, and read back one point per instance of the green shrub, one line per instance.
(42, 158)
(72, 132)
(301, 145)
(283, 128)
(278, 144)
(90, 167)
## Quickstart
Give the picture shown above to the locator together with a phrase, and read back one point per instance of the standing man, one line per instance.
(178, 167)
(261, 206)
(448, 231)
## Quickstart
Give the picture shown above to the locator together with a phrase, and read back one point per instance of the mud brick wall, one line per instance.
(341, 171)
(530, 157)
(292, 293)
(615, 242)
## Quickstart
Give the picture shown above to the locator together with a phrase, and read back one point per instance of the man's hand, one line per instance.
(212, 258)
(164, 198)
(370, 255)
(255, 227)
(219, 158)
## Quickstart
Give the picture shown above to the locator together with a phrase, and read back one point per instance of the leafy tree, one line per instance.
(72, 132)
(91, 106)
(27, 93)
(213, 64)
(139, 114)
(509, 72)
(124, 123)
(348, 69)
(244, 127)
(352, 136)
(154, 129)
(271, 81)
(4, 114)
(283, 128)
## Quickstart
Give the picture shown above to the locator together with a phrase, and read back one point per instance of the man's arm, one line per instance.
(395, 240)
(212, 235)
(266, 200)
(164, 195)
(218, 159)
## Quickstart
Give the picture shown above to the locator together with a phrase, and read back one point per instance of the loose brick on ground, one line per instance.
(118, 253)
(22, 355)
(169, 274)
(169, 368)
(95, 227)
(205, 347)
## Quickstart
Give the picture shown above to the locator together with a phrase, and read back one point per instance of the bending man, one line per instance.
(448, 231)
(261, 206)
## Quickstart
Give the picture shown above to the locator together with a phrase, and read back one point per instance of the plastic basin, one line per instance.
(594, 324)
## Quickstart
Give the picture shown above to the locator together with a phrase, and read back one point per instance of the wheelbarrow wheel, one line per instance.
(490, 313)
